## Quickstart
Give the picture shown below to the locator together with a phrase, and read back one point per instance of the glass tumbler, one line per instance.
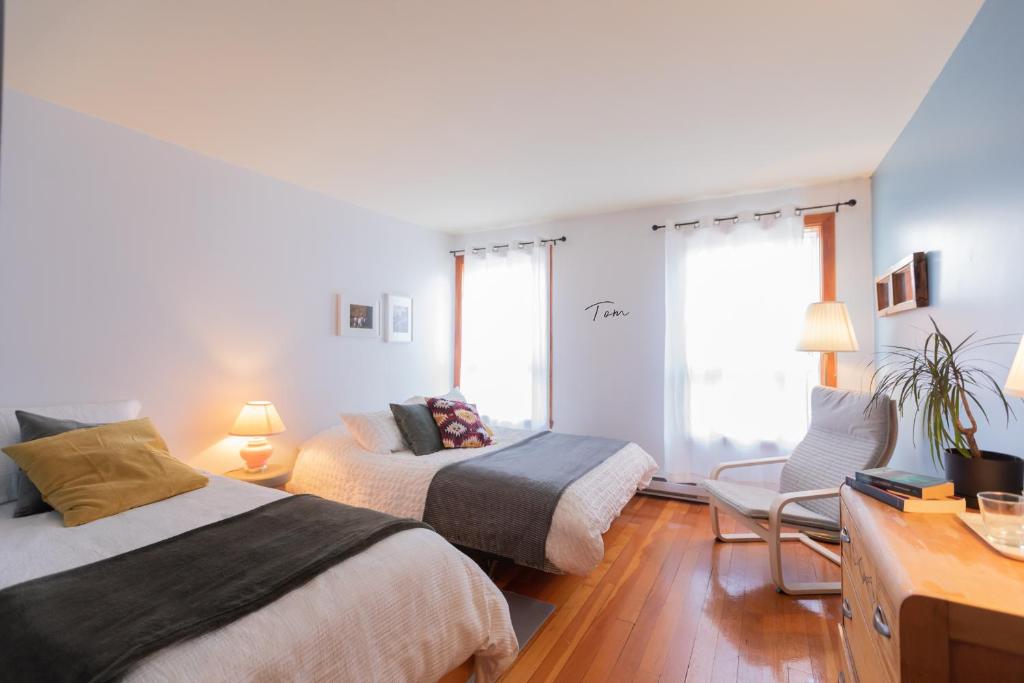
(1003, 515)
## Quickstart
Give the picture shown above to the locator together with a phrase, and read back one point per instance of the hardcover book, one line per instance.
(918, 485)
(905, 503)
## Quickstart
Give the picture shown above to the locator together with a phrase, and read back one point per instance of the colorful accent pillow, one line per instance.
(459, 424)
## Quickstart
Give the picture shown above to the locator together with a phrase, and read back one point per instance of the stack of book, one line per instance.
(907, 492)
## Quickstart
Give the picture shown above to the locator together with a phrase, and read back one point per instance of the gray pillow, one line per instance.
(30, 501)
(418, 427)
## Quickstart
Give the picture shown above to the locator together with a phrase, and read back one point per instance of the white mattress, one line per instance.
(410, 608)
(332, 465)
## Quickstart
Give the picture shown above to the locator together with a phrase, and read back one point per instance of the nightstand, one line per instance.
(275, 476)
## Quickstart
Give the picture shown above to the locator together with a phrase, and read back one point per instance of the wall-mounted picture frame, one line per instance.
(397, 318)
(357, 316)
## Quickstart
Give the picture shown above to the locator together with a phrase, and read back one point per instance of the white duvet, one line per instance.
(333, 465)
(409, 608)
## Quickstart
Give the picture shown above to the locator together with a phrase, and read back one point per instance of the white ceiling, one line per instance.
(467, 114)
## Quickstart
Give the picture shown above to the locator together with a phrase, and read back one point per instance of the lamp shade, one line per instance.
(258, 418)
(1015, 382)
(827, 327)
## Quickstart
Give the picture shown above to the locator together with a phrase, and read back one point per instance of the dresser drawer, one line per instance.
(875, 618)
(954, 609)
(869, 663)
(847, 672)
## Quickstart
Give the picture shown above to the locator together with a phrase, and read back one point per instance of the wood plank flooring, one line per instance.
(670, 604)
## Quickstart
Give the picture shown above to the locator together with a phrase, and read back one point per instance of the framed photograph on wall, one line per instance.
(397, 318)
(357, 316)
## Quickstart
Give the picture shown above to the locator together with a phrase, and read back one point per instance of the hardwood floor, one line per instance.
(670, 604)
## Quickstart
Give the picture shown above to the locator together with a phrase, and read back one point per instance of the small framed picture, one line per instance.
(357, 317)
(397, 318)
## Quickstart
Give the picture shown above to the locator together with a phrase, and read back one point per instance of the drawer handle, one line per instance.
(842, 677)
(881, 625)
(844, 535)
(847, 612)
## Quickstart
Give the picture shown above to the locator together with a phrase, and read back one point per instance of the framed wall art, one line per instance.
(357, 316)
(397, 318)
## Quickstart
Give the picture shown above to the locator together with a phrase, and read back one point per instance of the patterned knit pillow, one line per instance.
(459, 424)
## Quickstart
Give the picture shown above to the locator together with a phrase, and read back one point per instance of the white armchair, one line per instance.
(847, 434)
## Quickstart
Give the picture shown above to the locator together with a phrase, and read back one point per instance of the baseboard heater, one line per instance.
(679, 490)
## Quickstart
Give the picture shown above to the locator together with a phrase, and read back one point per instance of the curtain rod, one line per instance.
(758, 214)
(506, 246)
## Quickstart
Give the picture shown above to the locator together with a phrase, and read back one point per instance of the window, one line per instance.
(502, 338)
(735, 300)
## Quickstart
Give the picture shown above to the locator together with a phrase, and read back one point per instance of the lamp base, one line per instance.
(256, 454)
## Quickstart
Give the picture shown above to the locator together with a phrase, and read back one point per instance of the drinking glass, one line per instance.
(1003, 515)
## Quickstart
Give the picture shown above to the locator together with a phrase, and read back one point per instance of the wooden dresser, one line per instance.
(924, 599)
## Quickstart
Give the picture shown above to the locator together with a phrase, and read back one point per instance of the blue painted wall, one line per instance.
(953, 185)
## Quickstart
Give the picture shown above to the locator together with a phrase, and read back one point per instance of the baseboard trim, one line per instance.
(688, 491)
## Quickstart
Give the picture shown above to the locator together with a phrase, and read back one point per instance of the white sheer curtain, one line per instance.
(505, 334)
(734, 385)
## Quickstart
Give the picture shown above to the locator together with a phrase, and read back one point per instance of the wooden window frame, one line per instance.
(825, 225)
(460, 266)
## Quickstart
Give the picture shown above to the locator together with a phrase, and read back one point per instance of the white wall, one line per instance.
(608, 375)
(131, 268)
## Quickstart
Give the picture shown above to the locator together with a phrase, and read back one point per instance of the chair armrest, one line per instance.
(784, 499)
(746, 463)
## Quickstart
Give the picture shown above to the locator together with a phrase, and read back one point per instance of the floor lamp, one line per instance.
(827, 329)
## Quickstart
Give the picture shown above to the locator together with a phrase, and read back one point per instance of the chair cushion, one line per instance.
(754, 501)
(847, 433)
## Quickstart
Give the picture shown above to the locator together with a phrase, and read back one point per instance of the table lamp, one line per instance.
(827, 329)
(258, 420)
(1015, 382)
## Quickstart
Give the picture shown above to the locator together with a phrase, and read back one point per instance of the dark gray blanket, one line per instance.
(92, 623)
(503, 502)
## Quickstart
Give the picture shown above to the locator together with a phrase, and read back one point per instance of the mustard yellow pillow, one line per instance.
(87, 474)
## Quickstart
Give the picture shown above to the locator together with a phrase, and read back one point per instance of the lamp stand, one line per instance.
(256, 453)
(829, 372)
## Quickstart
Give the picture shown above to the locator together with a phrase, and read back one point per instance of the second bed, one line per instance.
(333, 465)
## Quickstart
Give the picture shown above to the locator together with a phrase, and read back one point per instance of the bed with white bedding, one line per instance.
(333, 465)
(409, 608)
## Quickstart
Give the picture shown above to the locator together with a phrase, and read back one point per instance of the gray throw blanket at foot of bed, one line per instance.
(92, 623)
(503, 502)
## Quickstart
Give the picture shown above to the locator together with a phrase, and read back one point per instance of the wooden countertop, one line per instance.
(937, 556)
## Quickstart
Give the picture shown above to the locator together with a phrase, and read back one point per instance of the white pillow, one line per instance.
(454, 395)
(376, 432)
(10, 433)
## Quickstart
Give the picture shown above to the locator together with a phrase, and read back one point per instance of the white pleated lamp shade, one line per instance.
(1015, 382)
(257, 418)
(827, 328)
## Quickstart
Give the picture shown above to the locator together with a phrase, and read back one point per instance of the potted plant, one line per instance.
(944, 383)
